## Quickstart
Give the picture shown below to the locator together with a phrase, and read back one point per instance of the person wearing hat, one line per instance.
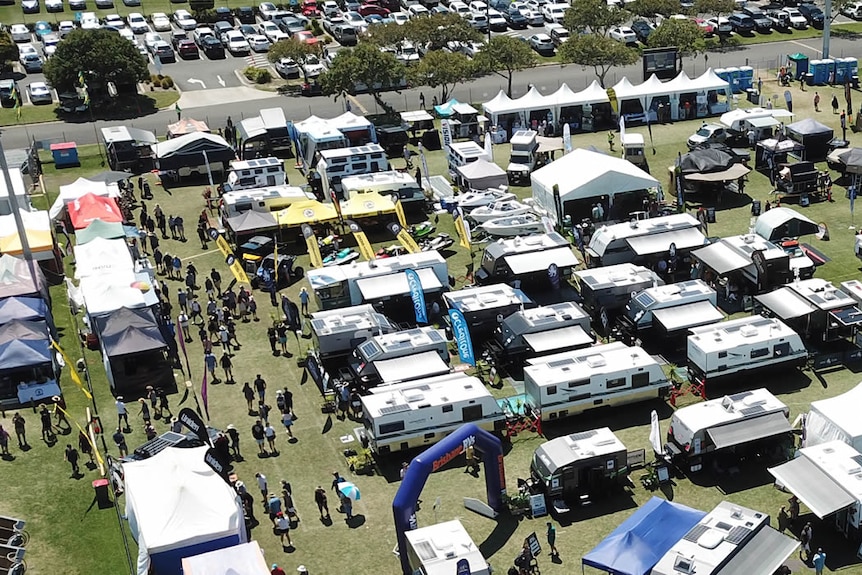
(302, 570)
(276, 570)
(282, 526)
(233, 434)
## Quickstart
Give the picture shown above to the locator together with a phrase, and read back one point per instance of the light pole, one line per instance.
(827, 23)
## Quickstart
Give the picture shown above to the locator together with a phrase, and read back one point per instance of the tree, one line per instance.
(651, 9)
(438, 30)
(599, 52)
(385, 34)
(593, 15)
(292, 49)
(714, 7)
(684, 34)
(8, 51)
(505, 55)
(363, 67)
(439, 69)
(102, 56)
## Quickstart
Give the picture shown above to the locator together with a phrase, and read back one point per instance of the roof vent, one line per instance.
(596, 361)
(633, 224)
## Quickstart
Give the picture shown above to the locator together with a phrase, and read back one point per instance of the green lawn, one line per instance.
(145, 103)
(69, 537)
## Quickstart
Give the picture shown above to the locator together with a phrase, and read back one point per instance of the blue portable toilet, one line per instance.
(733, 78)
(722, 73)
(829, 63)
(818, 70)
(65, 155)
(840, 70)
(746, 77)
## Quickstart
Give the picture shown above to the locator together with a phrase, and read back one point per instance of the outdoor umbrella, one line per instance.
(349, 490)
(110, 177)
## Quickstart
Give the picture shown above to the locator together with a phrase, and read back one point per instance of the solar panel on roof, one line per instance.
(583, 435)
(560, 363)
(389, 409)
(746, 411)
(739, 396)
(738, 534)
(695, 532)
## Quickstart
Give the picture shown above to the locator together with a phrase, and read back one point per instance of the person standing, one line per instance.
(122, 413)
(248, 393)
(281, 329)
(273, 507)
(276, 570)
(19, 423)
(421, 101)
(320, 500)
(805, 539)
(783, 519)
(819, 561)
(470, 454)
(183, 320)
(120, 442)
(816, 102)
(269, 433)
(552, 539)
(347, 506)
(227, 366)
(47, 427)
(260, 387)
(261, 484)
(72, 457)
(834, 104)
(145, 411)
(210, 361)
(303, 301)
(282, 526)
(258, 434)
(287, 420)
(216, 278)
(233, 436)
(84, 446)
(794, 510)
(273, 339)
(4, 441)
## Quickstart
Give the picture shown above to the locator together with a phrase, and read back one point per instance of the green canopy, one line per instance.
(797, 57)
(99, 229)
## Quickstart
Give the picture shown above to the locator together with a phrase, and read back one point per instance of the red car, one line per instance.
(369, 9)
(306, 37)
(187, 49)
(310, 9)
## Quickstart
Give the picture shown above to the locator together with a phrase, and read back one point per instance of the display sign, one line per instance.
(537, 505)
(663, 62)
(533, 542)
(193, 422)
(230, 259)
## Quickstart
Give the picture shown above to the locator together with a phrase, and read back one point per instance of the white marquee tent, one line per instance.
(245, 559)
(533, 100)
(78, 188)
(103, 294)
(102, 256)
(835, 418)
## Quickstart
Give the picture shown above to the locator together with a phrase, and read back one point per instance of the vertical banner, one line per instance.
(229, 257)
(623, 128)
(335, 203)
(489, 148)
(424, 167)
(205, 394)
(847, 97)
(275, 261)
(655, 432)
(399, 211)
(365, 249)
(313, 248)
(788, 99)
(612, 97)
(446, 132)
(72, 373)
(193, 422)
(461, 229)
(567, 137)
(461, 332)
(182, 338)
(404, 237)
(417, 295)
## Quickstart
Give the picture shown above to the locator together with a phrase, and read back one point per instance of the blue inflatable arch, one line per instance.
(436, 457)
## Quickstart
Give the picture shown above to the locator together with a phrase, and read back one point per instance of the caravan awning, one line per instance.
(763, 553)
(763, 122)
(817, 490)
(720, 258)
(539, 261)
(660, 243)
(557, 338)
(410, 367)
(784, 303)
(686, 316)
(734, 172)
(390, 285)
(748, 430)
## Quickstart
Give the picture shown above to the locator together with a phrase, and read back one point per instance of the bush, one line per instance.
(257, 75)
(167, 83)
(315, 27)
(156, 79)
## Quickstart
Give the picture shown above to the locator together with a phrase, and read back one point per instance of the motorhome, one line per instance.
(337, 332)
(268, 199)
(580, 465)
(377, 280)
(422, 412)
(463, 153)
(641, 241)
(608, 289)
(745, 345)
(485, 306)
(570, 383)
(401, 185)
(670, 311)
(439, 549)
(738, 122)
(729, 539)
(539, 331)
(259, 173)
(523, 156)
(527, 259)
(336, 164)
(750, 421)
(372, 362)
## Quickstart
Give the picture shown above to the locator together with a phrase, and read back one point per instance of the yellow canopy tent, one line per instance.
(306, 212)
(37, 226)
(367, 205)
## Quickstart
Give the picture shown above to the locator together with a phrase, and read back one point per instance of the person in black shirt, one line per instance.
(258, 434)
(270, 333)
(233, 434)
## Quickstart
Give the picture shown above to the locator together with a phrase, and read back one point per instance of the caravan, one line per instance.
(337, 332)
(423, 352)
(638, 241)
(402, 186)
(571, 383)
(528, 258)
(269, 199)
(747, 421)
(485, 306)
(337, 164)
(251, 174)
(607, 289)
(745, 345)
(422, 412)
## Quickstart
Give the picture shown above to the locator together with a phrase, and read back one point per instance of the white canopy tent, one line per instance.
(835, 418)
(101, 256)
(78, 188)
(710, 93)
(482, 175)
(245, 559)
(501, 103)
(103, 294)
(564, 97)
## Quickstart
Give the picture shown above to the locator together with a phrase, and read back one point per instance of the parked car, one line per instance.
(270, 29)
(164, 51)
(852, 10)
(478, 21)
(137, 23)
(287, 68)
(184, 21)
(762, 23)
(77, 5)
(707, 134)
(187, 49)
(30, 6)
(780, 20)
(39, 93)
(212, 48)
(201, 33)
(330, 8)
(160, 22)
(742, 23)
(104, 4)
(345, 34)
(224, 14)
(721, 25)
(64, 28)
(267, 10)
(797, 20)
(8, 93)
(813, 14)
(623, 34)
(31, 62)
(514, 18)
(541, 43)
(496, 21)
(642, 30)
(553, 13)
(373, 9)
(20, 33)
(460, 9)
(534, 17)
(258, 43)
(313, 67)
(399, 18)
(53, 5)
(245, 15)
(417, 11)
(236, 42)
(558, 33)
(131, 3)
(705, 26)
(472, 49)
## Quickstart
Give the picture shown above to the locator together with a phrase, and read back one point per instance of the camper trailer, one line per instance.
(750, 263)
(669, 310)
(539, 331)
(259, 173)
(372, 362)
(399, 184)
(608, 289)
(439, 549)
(642, 241)
(269, 199)
(567, 384)
(462, 153)
(422, 412)
(484, 306)
(580, 465)
(523, 157)
(738, 122)
(338, 332)
(527, 259)
(634, 150)
(751, 421)
(745, 345)
(336, 164)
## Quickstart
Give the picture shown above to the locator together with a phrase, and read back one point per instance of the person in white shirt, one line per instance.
(122, 413)
(282, 526)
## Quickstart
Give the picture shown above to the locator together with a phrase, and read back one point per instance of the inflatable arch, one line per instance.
(436, 457)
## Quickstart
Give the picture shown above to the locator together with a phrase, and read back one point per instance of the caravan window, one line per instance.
(471, 413)
(447, 408)
(552, 389)
(578, 383)
(755, 353)
(722, 354)
(640, 379)
(393, 427)
(618, 382)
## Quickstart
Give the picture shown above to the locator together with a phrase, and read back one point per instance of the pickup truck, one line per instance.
(780, 20)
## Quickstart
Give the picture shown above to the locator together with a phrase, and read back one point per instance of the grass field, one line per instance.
(69, 536)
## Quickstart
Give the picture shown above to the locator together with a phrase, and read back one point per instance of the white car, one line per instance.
(496, 21)
(49, 44)
(54, 5)
(471, 49)
(20, 33)
(354, 19)
(478, 21)
(161, 22)
(797, 20)
(534, 17)
(267, 10)
(478, 6)
(460, 9)
(258, 43)
(330, 8)
(399, 18)
(270, 29)
(720, 25)
(278, 36)
(65, 27)
(417, 10)
(138, 23)
(236, 42)
(553, 13)
(183, 19)
(287, 67)
(406, 52)
(89, 21)
(541, 43)
(150, 39)
(115, 21)
(127, 34)
(39, 93)
(332, 22)
(623, 34)
(313, 67)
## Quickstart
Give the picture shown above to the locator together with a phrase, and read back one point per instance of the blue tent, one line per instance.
(636, 546)
(445, 110)
(22, 308)
(18, 353)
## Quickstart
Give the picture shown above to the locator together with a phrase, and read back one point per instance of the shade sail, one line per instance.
(101, 256)
(482, 174)
(99, 229)
(252, 220)
(687, 316)
(85, 210)
(23, 330)
(23, 308)
(660, 243)
(104, 294)
(367, 205)
(785, 304)
(546, 341)
(395, 284)
(187, 126)
(17, 354)
(128, 331)
(815, 488)
(531, 262)
(641, 541)
(780, 223)
(78, 188)
(748, 430)
(763, 553)
(720, 258)
(306, 212)
(38, 228)
(410, 367)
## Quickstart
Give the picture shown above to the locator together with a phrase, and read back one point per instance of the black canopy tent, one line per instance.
(813, 135)
(192, 150)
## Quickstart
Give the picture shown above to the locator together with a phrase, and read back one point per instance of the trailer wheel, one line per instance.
(298, 272)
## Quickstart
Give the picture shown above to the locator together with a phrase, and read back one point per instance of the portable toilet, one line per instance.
(733, 78)
(829, 63)
(746, 77)
(722, 73)
(819, 72)
(840, 71)
(801, 62)
(65, 155)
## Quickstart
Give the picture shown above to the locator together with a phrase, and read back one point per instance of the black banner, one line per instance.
(195, 424)
(217, 464)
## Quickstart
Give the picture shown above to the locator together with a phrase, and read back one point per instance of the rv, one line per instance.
(422, 412)
(269, 199)
(742, 346)
(401, 185)
(738, 122)
(336, 164)
(462, 153)
(439, 549)
(485, 306)
(338, 332)
(641, 241)
(567, 384)
(377, 280)
(539, 331)
(671, 310)
(580, 465)
(747, 421)
(523, 156)
(251, 174)
(608, 289)
(527, 259)
(729, 539)
(372, 362)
